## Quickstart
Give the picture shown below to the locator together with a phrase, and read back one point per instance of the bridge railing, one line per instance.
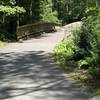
(25, 31)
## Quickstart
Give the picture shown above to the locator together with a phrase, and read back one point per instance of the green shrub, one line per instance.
(51, 17)
(94, 72)
(88, 43)
(64, 50)
(7, 37)
(79, 52)
(83, 46)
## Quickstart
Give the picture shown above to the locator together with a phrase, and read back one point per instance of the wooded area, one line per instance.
(81, 49)
(15, 13)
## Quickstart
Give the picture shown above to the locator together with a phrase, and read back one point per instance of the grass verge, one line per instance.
(89, 84)
(2, 44)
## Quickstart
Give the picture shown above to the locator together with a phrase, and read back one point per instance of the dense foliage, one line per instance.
(83, 50)
(90, 42)
(64, 50)
(72, 10)
(20, 12)
(8, 17)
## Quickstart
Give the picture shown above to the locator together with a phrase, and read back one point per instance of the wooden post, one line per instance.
(18, 17)
(31, 4)
(17, 24)
(18, 20)
(3, 20)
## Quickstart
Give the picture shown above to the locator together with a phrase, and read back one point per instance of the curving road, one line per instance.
(28, 72)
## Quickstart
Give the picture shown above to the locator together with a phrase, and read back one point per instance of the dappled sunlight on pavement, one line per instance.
(28, 72)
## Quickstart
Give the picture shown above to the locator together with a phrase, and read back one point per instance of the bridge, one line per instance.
(30, 30)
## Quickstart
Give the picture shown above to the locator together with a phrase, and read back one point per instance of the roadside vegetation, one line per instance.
(14, 13)
(79, 52)
(2, 44)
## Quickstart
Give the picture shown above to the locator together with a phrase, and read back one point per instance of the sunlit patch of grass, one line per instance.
(80, 75)
(2, 44)
(98, 94)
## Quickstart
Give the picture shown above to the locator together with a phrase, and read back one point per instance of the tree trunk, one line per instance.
(31, 4)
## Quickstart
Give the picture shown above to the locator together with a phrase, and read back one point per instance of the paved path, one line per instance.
(28, 72)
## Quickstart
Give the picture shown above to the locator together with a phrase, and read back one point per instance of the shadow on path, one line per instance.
(35, 74)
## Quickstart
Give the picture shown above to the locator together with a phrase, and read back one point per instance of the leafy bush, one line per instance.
(94, 72)
(7, 37)
(8, 10)
(65, 50)
(50, 18)
(88, 43)
(83, 47)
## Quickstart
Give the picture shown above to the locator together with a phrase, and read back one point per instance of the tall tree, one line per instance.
(8, 17)
(47, 13)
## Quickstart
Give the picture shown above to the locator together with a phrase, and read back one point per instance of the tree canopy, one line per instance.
(21, 12)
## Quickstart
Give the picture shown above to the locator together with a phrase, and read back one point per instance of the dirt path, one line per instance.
(28, 72)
